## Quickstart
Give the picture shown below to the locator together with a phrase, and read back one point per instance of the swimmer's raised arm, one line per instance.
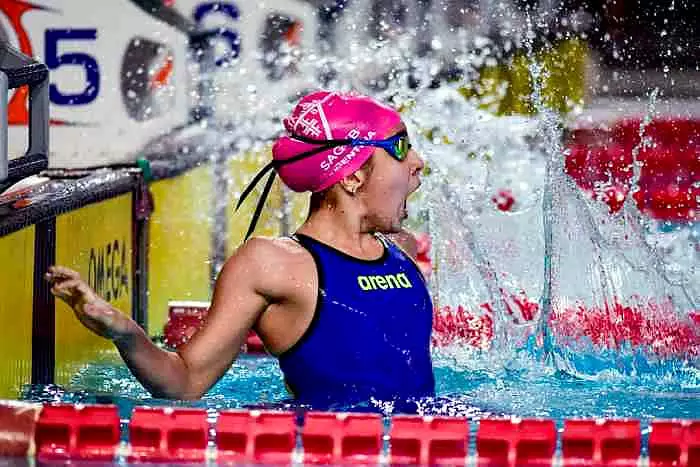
(239, 299)
(194, 368)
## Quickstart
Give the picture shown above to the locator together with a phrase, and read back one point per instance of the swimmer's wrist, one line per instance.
(126, 337)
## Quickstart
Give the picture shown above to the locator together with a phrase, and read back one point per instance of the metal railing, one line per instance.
(17, 70)
(4, 82)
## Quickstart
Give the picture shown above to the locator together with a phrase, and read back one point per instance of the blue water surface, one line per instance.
(467, 385)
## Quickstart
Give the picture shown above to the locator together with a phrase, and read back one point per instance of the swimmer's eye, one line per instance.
(401, 148)
(397, 146)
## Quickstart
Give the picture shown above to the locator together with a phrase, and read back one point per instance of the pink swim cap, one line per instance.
(322, 116)
(305, 165)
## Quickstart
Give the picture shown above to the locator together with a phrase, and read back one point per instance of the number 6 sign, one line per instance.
(261, 50)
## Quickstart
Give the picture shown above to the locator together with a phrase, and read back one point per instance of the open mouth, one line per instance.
(416, 188)
(404, 209)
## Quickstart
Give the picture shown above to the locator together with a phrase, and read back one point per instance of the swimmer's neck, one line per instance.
(342, 228)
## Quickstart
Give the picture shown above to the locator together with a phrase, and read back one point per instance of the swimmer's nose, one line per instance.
(417, 162)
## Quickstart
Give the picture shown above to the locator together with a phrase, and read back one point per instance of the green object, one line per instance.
(145, 166)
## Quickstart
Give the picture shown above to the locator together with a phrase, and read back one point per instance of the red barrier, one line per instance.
(264, 437)
(67, 431)
(185, 318)
(505, 442)
(647, 324)
(674, 443)
(17, 426)
(668, 132)
(168, 434)
(342, 438)
(600, 163)
(429, 440)
(601, 442)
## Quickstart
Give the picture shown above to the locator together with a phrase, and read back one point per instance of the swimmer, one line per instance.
(340, 303)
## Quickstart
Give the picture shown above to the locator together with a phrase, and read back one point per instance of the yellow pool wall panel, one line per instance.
(95, 240)
(16, 309)
(507, 88)
(180, 236)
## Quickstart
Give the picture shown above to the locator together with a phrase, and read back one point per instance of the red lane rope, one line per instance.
(59, 432)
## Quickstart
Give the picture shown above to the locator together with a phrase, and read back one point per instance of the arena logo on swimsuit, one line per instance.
(388, 281)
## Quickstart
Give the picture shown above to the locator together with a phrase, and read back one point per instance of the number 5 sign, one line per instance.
(118, 77)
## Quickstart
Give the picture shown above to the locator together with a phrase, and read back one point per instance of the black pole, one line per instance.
(43, 313)
(142, 208)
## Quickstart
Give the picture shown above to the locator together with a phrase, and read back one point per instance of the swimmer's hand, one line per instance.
(95, 313)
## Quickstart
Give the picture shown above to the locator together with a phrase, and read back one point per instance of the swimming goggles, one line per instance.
(396, 146)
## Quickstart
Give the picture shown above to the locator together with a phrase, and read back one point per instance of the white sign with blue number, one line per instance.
(119, 77)
(261, 47)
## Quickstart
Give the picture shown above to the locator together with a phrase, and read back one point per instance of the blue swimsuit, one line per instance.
(370, 334)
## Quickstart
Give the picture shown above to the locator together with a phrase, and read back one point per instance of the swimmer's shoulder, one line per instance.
(275, 250)
(272, 262)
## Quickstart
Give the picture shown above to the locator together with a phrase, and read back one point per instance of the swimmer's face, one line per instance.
(390, 183)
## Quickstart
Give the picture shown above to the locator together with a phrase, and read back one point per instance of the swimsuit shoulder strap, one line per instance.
(389, 244)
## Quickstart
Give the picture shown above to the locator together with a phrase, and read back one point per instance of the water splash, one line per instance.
(550, 128)
(553, 244)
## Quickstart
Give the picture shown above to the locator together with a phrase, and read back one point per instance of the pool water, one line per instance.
(468, 384)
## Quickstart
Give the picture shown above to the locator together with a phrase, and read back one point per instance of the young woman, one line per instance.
(339, 303)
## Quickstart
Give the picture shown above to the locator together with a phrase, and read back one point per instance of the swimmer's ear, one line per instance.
(355, 181)
(351, 183)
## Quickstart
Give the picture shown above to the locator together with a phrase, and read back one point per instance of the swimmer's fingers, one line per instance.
(65, 289)
(72, 290)
(95, 314)
(57, 273)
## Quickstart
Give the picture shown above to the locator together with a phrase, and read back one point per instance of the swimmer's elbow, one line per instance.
(196, 384)
(183, 393)
(193, 392)
(192, 396)
(178, 382)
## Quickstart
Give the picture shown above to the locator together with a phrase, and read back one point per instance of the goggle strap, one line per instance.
(340, 142)
(324, 142)
(261, 204)
(248, 189)
(273, 165)
(304, 155)
(268, 185)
